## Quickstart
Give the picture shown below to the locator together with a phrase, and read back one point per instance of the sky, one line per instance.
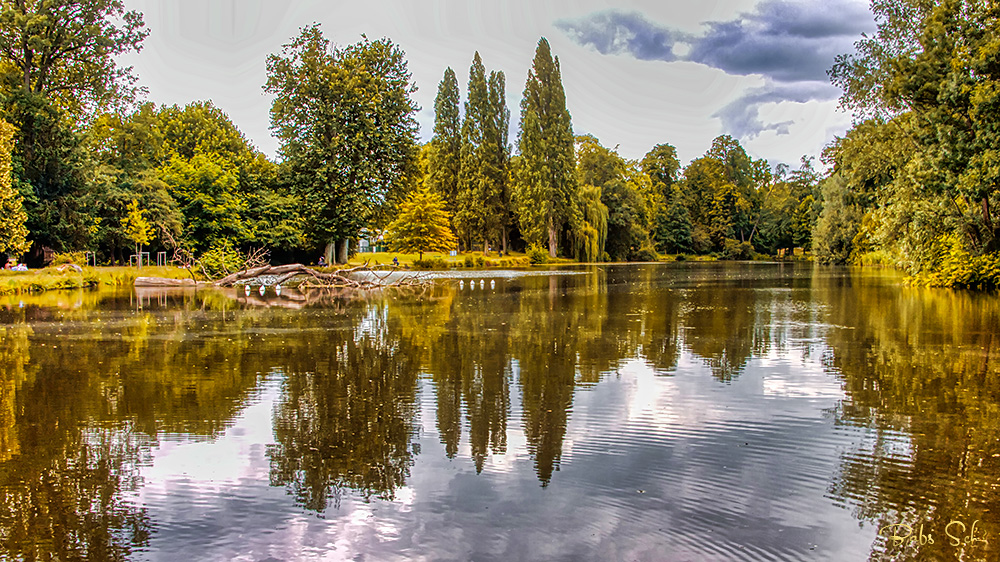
(636, 73)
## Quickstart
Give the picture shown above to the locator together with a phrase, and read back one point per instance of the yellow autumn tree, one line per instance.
(137, 228)
(13, 232)
(422, 225)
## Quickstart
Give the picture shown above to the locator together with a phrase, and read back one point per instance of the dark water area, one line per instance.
(688, 411)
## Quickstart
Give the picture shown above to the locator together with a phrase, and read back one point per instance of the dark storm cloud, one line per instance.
(790, 44)
(741, 118)
(618, 32)
(781, 40)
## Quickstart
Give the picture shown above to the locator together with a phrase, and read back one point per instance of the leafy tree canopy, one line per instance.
(346, 123)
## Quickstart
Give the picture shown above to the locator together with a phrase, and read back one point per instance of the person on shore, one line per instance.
(9, 265)
(395, 261)
(322, 261)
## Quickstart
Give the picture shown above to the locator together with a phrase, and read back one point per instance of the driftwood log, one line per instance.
(338, 278)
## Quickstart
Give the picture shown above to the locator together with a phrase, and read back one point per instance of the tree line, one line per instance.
(913, 184)
(92, 167)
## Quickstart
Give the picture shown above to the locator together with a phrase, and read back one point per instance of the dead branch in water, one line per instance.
(316, 279)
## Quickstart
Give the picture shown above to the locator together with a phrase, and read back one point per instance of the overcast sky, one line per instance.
(636, 73)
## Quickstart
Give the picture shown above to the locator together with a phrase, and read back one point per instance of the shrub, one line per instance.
(430, 263)
(79, 258)
(645, 253)
(480, 262)
(736, 250)
(537, 255)
(222, 259)
(468, 261)
(955, 267)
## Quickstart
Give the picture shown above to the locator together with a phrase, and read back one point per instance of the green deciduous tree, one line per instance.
(546, 192)
(64, 50)
(672, 226)
(624, 190)
(740, 204)
(13, 232)
(422, 225)
(57, 70)
(838, 224)
(200, 180)
(346, 125)
(662, 166)
(929, 76)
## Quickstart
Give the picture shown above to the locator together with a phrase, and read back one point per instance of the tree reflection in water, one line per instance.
(78, 421)
(347, 421)
(67, 493)
(922, 376)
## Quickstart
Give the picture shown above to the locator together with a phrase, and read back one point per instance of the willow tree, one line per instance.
(546, 192)
(346, 123)
(13, 232)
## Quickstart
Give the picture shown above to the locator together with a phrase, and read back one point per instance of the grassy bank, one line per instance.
(437, 260)
(50, 278)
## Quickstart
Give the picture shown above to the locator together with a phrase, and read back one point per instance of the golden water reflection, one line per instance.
(90, 382)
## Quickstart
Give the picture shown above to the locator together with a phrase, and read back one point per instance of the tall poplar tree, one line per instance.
(546, 191)
(472, 176)
(499, 218)
(484, 200)
(446, 145)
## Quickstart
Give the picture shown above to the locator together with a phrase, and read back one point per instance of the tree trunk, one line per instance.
(342, 247)
(504, 241)
(553, 245)
(486, 247)
(328, 252)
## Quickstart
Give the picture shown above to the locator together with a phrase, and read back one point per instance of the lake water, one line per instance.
(688, 411)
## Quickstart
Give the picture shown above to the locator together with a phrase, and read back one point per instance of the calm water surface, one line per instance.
(653, 412)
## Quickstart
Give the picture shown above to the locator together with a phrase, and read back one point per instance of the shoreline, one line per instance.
(50, 279)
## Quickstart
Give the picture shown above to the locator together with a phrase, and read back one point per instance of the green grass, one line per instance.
(49, 278)
(439, 260)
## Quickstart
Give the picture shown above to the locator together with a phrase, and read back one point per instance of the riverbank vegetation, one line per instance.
(85, 163)
(50, 278)
(916, 183)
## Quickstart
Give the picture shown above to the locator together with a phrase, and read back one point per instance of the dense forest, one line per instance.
(85, 162)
